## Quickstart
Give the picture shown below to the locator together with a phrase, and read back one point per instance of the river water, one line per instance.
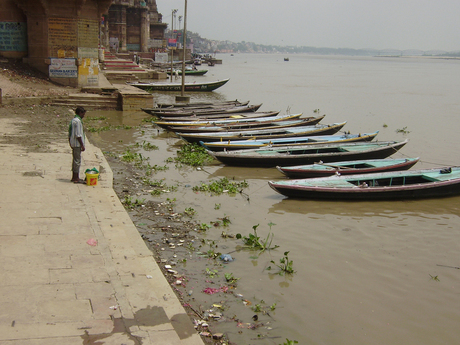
(366, 272)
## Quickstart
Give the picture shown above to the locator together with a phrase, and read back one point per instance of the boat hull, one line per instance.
(292, 141)
(312, 171)
(190, 87)
(271, 158)
(190, 72)
(263, 134)
(245, 127)
(414, 190)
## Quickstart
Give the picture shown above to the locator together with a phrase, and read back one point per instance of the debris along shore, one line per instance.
(192, 265)
(213, 302)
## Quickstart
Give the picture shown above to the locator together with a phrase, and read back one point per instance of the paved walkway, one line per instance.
(57, 288)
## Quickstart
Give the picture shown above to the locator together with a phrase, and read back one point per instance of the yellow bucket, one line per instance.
(91, 179)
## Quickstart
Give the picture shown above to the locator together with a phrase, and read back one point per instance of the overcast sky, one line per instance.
(377, 24)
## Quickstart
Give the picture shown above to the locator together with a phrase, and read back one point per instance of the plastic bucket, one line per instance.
(91, 178)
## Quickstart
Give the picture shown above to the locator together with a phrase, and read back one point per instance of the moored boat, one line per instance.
(192, 72)
(308, 154)
(292, 141)
(394, 185)
(197, 104)
(188, 86)
(367, 166)
(204, 111)
(247, 126)
(220, 116)
(227, 121)
(270, 133)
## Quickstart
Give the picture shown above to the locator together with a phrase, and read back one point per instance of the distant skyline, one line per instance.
(357, 24)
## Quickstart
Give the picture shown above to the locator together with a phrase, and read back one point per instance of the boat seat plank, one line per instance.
(437, 176)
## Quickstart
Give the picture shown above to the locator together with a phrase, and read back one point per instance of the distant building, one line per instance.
(133, 25)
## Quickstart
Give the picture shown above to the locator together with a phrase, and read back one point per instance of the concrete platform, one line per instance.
(74, 267)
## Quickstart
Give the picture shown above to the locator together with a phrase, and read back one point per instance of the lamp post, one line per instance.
(173, 14)
(183, 98)
(184, 50)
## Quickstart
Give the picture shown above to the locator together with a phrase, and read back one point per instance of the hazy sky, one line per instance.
(378, 24)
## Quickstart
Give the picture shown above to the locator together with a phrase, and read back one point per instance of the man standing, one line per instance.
(77, 143)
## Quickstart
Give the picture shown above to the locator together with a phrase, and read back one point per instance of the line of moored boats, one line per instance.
(323, 162)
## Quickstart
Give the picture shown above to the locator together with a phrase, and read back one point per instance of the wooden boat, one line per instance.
(225, 110)
(368, 166)
(197, 104)
(221, 116)
(192, 72)
(394, 185)
(308, 154)
(264, 133)
(188, 86)
(248, 126)
(219, 122)
(291, 141)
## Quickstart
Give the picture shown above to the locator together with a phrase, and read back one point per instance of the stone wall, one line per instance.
(13, 30)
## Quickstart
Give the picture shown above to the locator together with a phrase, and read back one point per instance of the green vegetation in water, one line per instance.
(225, 220)
(285, 265)
(261, 307)
(230, 278)
(385, 125)
(289, 342)
(435, 278)
(253, 241)
(106, 128)
(204, 226)
(159, 185)
(217, 206)
(316, 111)
(403, 130)
(224, 185)
(190, 212)
(129, 156)
(150, 169)
(129, 203)
(211, 273)
(193, 154)
(146, 146)
(99, 118)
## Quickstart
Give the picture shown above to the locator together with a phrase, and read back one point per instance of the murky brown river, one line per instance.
(366, 272)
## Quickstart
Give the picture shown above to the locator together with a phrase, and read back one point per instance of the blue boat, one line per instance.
(291, 141)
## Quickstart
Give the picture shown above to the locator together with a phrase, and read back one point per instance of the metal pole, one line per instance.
(172, 33)
(184, 49)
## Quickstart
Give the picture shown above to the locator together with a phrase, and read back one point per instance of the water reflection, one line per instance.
(416, 208)
(240, 173)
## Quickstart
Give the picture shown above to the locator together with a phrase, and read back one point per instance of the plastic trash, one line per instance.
(226, 258)
(92, 171)
(92, 242)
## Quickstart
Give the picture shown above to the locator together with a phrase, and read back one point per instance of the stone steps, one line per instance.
(89, 101)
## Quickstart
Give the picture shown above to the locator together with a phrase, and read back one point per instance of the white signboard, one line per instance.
(63, 68)
(161, 57)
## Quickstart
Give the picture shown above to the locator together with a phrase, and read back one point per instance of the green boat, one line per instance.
(188, 86)
(189, 72)
(366, 166)
(393, 185)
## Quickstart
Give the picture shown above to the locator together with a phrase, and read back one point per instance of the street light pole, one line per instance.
(184, 36)
(173, 13)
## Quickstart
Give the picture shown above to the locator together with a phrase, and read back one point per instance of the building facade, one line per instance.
(64, 38)
(134, 25)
